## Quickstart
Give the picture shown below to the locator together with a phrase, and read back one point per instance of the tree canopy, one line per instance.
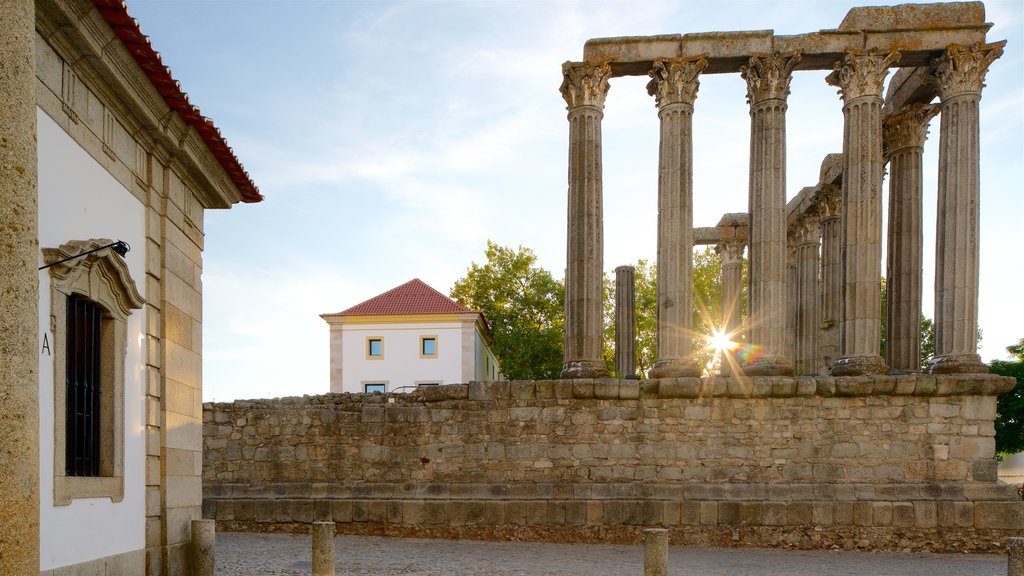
(1010, 406)
(524, 306)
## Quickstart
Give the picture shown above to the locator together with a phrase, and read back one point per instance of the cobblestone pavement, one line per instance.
(243, 554)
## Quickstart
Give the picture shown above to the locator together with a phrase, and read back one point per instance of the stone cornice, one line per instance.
(962, 69)
(585, 84)
(675, 80)
(907, 129)
(862, 74)
(768, 76)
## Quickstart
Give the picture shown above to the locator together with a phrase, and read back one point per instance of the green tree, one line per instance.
(524, 306)
(1010, 406)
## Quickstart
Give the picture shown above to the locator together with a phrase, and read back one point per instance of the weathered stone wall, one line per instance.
(882, 462)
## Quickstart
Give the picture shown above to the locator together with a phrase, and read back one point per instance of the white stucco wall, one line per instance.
(79, 200)
(401, 364)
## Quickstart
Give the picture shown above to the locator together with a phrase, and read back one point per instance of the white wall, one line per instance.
(401, 364)
(79, 200)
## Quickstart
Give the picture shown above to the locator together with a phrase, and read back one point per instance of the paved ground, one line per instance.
(240, 554)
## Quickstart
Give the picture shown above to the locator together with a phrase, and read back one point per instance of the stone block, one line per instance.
(999, 515)
(728, 513)
(575, 513)
(583, 388)
(709, 513)
(799, 513)
(977, 492)
(563, 389)
(629, 390)
(544, 389)
(843, 513)
(526, 390)
(863, 513)
(690, 513)
(672, 513)
(595, 513)
(903, 515)
(881, 513)
(985, 470)
(265, 510)
(774, 513)
(822, 513)
(750, 514)
(679, 387)
(606, 389)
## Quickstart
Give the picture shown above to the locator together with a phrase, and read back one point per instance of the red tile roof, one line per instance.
(413, 297)
(115, 12)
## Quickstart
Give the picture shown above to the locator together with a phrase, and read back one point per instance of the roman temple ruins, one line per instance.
(810, 439)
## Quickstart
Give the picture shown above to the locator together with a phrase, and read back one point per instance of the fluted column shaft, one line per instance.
(731, 253)
(860, 77)
(903, 142)
(961, 74)
(19, 293)
(768, 77)
(792, 298)
(674, 85)
(625, 321)
(584, 88)
(829, 198)
(807, 319)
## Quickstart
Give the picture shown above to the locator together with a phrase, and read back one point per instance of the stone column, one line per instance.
(19, 292)
(323, 548)
(203, 547)
(655, 552)
(584, 87)
(807, 323)
(961, 74)
(903, 137)
(625, 322)
(1015, 556)
(860, 77)
(731, 253)
(768, 78)
(674, 86)
(829, 197)
(792, 297)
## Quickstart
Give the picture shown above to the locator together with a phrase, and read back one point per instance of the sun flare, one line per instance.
(719, 341)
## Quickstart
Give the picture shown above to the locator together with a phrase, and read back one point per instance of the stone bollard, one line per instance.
(655, 552)
(323, 548)
(203, 536)
(1015, 563)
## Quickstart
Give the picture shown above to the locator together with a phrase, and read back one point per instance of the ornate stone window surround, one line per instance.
(102, 277)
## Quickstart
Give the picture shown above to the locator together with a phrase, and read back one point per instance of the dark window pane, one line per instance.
(375, 347)
(84, 374)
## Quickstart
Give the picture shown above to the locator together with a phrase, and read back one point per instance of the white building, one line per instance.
(407, 337)
(117, 154)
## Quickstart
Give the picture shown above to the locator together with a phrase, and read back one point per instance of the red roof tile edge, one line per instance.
(413, 297)
(115, 12)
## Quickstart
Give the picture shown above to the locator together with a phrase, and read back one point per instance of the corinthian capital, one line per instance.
(861, 74)
(730, 251)
(674, 80)
(908, 128)
(828, 200)
(768, 76)
(585, 83)
(961, 69)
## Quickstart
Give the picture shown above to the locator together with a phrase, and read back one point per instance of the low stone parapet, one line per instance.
(893, 462)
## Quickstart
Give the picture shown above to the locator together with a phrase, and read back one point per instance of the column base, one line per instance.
(674, 369)
(769, 366)
(957, 364)
(859, 365)
(584, 369)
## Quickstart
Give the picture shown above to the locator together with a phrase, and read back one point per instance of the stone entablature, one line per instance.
(920, 32)
(899, 457)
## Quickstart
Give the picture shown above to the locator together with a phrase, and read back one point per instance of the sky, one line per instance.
(392, 140)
